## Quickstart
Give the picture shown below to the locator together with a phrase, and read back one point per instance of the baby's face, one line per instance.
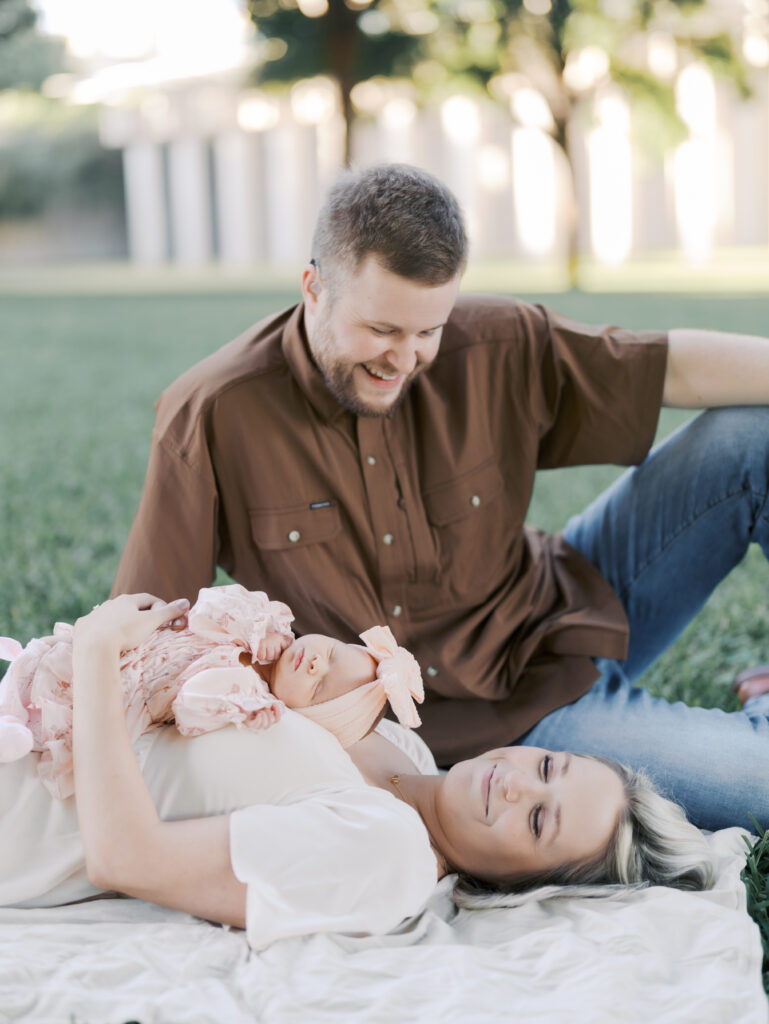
(317, 668)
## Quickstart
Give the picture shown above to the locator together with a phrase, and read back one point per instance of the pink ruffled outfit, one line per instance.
(164, 680)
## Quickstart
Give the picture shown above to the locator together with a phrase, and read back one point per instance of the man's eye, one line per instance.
(380, 331)
(547, 767)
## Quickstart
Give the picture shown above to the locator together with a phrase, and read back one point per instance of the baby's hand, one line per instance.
(271, 647)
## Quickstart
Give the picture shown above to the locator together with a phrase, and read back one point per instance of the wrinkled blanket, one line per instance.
(656, 956)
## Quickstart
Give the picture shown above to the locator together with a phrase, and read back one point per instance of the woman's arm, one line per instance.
(181, 864)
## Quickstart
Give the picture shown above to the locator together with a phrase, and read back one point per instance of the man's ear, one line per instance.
(311, 285)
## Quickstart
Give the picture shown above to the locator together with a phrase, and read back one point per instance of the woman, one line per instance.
(279, 832)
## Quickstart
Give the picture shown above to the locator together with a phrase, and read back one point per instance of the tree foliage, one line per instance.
(27, 57)
(437, 42)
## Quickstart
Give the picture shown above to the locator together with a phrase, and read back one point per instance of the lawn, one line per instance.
(80, 375)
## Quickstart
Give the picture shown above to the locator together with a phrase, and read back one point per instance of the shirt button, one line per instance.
(432, 670)
(396, 610)
(475, 501)
(371, 459)
(388, 539)
(294, 536)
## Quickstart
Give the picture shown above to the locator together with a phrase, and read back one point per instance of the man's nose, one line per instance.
(403, 356)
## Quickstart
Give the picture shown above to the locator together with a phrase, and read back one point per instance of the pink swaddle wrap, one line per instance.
(398, 679)
(176, 676)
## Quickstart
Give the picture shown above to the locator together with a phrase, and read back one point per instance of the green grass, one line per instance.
(755, 875)
(79, 378)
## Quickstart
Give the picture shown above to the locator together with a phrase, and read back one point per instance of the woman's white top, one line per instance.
(318, 848)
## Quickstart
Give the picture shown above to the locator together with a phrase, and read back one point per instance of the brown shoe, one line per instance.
(752, 682)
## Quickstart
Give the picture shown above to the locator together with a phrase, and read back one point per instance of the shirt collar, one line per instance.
(309, 378)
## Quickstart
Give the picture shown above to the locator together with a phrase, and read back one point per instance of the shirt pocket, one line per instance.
(471, 526)
(294, 528)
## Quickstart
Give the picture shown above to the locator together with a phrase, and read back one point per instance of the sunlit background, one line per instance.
(637, 144)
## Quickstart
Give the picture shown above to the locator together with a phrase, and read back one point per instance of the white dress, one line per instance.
(319, 849)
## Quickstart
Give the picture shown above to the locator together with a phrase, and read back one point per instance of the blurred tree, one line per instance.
(27, 57)
(316, 37)
(565, 49)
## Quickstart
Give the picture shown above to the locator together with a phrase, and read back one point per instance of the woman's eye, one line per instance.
(536, 823)
(547, 767)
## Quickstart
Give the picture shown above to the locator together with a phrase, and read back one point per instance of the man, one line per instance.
(368, 456)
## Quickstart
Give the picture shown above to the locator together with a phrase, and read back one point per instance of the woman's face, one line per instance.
(317, 668)
(519, 810)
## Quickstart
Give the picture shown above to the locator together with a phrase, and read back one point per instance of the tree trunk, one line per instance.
(342, 46)
(562, 137)
(345, 87)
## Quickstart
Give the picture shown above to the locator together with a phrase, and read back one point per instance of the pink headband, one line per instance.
(398, 680)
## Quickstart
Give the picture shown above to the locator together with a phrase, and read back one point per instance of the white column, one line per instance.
(461, 125)
(238, 186)
(188, 180)
(145, 202)
(750, 128)
(290, 169)
(396, 127)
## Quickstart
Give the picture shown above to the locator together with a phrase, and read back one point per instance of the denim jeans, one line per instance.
(664, 535)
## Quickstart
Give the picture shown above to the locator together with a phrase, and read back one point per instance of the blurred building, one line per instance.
(214, 172)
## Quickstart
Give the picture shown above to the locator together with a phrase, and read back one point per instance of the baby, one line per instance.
(235, 662)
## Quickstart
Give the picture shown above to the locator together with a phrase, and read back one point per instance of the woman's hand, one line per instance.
(127, 621)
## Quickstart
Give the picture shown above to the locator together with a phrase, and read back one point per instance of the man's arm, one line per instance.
(711, 368)
(172, 547)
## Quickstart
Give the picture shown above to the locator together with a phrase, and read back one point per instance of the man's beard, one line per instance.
(338, 377)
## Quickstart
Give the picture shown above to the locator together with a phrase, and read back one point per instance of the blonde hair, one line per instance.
(654, 844)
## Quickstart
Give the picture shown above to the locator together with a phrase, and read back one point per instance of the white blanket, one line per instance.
(658, 956)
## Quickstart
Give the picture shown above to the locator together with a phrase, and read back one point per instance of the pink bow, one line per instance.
(399, 673)
(9, 649)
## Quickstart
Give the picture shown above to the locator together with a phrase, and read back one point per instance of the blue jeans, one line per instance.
(664, 535)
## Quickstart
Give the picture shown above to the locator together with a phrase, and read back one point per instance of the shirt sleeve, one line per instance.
(172, 547)
(217, 697)
(351, 860)
(246, 616)
(595, 392)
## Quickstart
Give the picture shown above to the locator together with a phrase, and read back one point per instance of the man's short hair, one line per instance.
(400, 214)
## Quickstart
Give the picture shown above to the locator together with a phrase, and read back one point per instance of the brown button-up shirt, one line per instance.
(416, 519)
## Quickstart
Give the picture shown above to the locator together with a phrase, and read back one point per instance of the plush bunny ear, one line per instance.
(9, 649)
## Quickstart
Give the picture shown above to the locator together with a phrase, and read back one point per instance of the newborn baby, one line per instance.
(235, 662)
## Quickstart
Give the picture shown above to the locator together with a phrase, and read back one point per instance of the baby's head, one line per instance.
(344, 687)
(317, 668)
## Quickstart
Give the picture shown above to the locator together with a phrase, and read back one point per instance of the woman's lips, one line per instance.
(298, 658)
(487, 787)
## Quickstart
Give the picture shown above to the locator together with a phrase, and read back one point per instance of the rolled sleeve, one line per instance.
(596, 391)
(352, 860)
(172, 547)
